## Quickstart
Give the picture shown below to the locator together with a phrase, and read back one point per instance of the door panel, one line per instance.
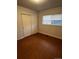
(27, 24)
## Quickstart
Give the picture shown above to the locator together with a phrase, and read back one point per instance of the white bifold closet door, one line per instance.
(27, 24)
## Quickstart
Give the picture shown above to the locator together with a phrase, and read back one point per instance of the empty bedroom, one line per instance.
(39, 29)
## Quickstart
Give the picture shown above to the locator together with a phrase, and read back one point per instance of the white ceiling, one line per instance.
(40, 5)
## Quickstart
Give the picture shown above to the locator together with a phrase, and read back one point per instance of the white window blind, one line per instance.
(52, 19)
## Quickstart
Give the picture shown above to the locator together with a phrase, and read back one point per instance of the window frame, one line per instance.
(51, 24)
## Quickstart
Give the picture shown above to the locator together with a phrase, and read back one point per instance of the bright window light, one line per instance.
(52, 19)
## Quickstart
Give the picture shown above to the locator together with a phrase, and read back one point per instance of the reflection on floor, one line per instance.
(39, 46)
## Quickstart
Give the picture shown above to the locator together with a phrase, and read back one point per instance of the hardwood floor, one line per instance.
(39, 46)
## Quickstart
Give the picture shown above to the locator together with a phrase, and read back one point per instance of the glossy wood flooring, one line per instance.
(39, 46)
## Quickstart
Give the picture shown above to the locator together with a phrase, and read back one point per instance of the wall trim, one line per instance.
(25, 36)
(51, 35)
(20, 38)
(41, 33)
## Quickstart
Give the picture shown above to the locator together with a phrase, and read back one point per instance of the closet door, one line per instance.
(27, 24)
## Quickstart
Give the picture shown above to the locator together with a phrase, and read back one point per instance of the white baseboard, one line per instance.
(51, 35)
(42, 33)
(25, 36)
(20, 38)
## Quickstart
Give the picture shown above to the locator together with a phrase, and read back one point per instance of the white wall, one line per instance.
(37, 26)
(20, 30)
(52, 30)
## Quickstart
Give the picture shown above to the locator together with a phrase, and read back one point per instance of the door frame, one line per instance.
(22, 21)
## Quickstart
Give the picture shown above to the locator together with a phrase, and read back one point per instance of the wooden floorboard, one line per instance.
(39, 46)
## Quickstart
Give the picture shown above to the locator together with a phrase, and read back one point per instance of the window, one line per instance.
(52, 19)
